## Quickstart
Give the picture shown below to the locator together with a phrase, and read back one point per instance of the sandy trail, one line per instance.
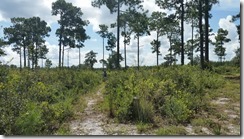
(93, 122)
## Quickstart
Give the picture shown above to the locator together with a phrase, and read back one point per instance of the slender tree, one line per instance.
(71, 32)
(111, 42)
(192, 18)
(90, 59)
(111, 62)
(190, 46)
(220, 39)
(28, 33)
(206, 18)
(104, 34)
(138, 22)
(126, 32)
(179, 6)
(207, 7)
(39, 30)
(173, 32)
(114, 6)
(201, 34)
(19, 35)
(157, 23)
(48, 63)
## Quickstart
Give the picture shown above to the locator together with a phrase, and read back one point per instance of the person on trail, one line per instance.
(104, 74)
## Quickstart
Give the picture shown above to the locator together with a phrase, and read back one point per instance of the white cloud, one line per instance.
(11, 57)
(230, 27)
(232, 34)
(26, 8)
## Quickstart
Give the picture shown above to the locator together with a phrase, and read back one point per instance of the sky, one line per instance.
(222, 14)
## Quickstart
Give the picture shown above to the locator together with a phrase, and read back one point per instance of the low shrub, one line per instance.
(176, 92)
(44, 97)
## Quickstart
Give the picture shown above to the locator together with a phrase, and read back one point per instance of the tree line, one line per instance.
(27, 35)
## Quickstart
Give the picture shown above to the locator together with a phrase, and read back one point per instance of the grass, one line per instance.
(198, 122)
(143, 127)
(171, 130)
(63, 129)
(218, 120)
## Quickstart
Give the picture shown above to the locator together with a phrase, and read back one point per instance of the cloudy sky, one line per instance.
(222, 14)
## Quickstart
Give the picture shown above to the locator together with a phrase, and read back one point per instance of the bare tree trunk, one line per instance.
(157, 48)
(192, 49)
(28, 59)
(201, 34)
(24, 56)
(20, 60)
(63, 57)
(170, 47)
(36, 56)
(103, 54)
(60, 39)
(32, 59)
(125, 44)
(206, 31)
(182, 32)
(138, 51)
(79, 56)
(118, 33)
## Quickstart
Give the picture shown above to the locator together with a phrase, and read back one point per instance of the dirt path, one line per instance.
(231, 116)
(93, 122)
(90, 122)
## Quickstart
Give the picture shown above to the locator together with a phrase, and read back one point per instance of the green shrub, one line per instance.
(177, 92)
(30, 122)
(142, 110)
(52, 93)
(177, 110)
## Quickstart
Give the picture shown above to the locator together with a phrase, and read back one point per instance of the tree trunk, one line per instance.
(103, 54)
(201, 34)
(192, 47)
(206, 31)
(59, 64)
(60, 39)
(182, 32)
(138, 51)
(24, 56)
(32, 58)
(157, 48)
(63, 57)
(20, 60)
(125, 44)
(170, 47)
(28, 59)
(36, 58)
(79, 56)
(118, 26)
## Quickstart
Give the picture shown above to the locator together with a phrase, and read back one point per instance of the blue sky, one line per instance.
(221, 12)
